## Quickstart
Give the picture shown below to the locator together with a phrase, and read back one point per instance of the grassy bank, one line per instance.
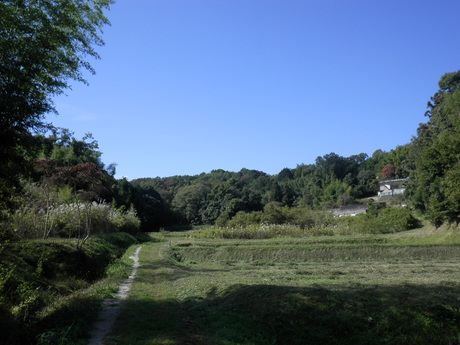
(377, 289)
(50, 290)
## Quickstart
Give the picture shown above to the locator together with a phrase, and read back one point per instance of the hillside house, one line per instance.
(390, 188)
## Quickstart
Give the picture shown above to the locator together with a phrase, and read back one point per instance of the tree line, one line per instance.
(45, 44)
(430, 162)
(216, 197)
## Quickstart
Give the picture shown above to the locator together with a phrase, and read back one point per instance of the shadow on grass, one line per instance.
(70, 325)
(268, 314)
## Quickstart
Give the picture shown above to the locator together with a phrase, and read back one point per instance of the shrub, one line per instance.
(398, 219)
(243, 219)
(101, 217)
(386, 220)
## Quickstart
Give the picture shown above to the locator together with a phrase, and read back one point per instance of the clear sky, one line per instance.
(189, 86)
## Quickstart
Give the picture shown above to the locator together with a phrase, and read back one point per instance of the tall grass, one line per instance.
(68, 220)
(50, 287)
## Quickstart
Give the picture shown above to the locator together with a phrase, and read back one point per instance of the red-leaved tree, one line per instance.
(389, 171)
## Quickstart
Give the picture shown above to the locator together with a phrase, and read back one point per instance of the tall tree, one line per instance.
(434, 187)
(43, 45)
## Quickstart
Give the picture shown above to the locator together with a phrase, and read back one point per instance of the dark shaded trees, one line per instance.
(43, 45)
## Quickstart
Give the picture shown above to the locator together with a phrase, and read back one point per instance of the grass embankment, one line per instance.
(376, 289)
(50, 291)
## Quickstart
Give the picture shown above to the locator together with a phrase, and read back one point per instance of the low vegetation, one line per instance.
(399, 288)
(51, 289)
(313, 223)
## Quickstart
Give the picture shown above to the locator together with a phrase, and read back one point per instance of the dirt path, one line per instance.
(111, 306)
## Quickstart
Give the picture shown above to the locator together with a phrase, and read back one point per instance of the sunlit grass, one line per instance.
(368, 289)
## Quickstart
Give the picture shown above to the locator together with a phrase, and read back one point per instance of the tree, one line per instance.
(190, 202)
(43, 45)
(367, 183)
(334, 167)
(336, 194)
(63, 147)
(285, 174)
(434, 182)
(87, 180)
(389, 171)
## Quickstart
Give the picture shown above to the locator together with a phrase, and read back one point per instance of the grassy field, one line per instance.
(377, 289)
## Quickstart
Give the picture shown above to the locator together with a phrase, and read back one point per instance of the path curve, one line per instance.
(111, 306)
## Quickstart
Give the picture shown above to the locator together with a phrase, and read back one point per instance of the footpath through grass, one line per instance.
(387, 289)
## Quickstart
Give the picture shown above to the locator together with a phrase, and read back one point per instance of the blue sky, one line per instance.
(188, 86)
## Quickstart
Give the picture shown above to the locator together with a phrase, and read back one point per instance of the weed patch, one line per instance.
(48, 289)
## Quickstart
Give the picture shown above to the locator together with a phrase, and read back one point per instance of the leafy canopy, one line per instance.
(43, 45)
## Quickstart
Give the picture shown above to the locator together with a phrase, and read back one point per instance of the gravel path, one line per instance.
(111, 306)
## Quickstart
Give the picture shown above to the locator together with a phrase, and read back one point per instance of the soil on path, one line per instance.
(111, 306)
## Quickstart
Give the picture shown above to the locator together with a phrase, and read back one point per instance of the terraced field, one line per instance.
(386, 289)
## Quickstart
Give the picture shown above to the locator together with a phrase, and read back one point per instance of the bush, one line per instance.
(276, 213)
(300, 222)
(243, 219)
(386, 220)
(398, 219)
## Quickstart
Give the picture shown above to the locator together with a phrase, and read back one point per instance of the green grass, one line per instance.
(50, 291)
(397, 288)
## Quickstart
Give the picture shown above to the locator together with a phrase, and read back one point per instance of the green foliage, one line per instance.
(402, 158)
(61, 146)
(336, 194)
(43, 45)
(189, 201)
(56, 211)
(451, 187)
(295, 222)
(367, 184)
(433, 189)
(219, 196)
(386, 220)
(37, 280)
(244, 219)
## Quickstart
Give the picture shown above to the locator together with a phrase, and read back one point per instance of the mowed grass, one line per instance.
(384, 289)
